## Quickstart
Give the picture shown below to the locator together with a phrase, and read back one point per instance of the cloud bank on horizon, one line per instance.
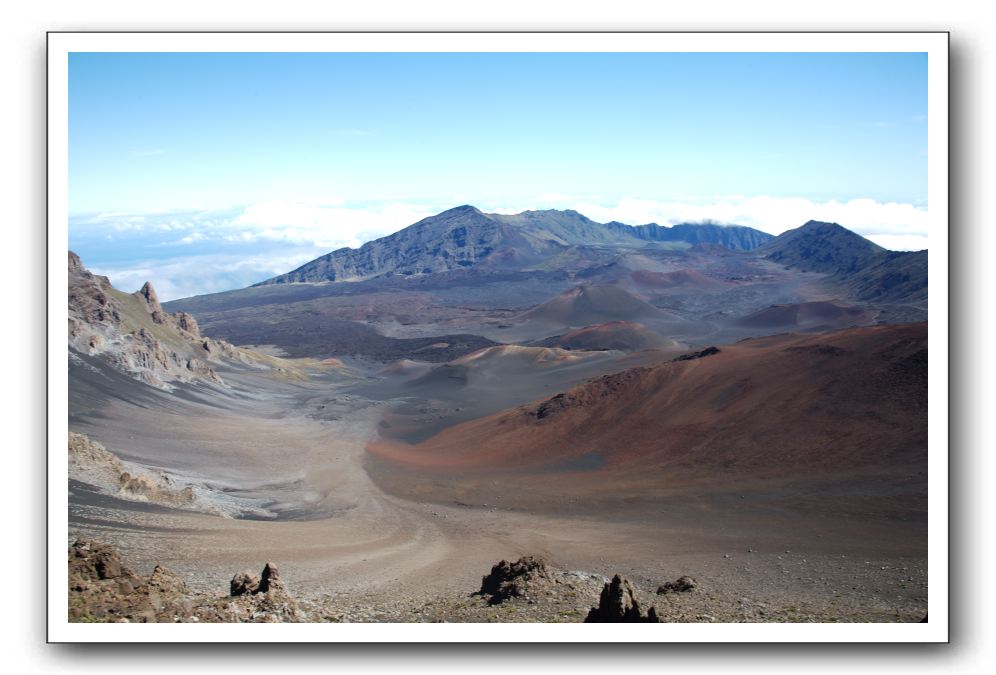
(193, 252)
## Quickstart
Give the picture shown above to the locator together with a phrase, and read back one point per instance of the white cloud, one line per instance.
(192, 238)
(325, 225)
(328, 226)
(336, 225)
(198, 274)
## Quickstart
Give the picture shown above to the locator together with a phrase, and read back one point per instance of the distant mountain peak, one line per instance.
(827, 234)
(827, 227)
(860, 266)
(570, 212)
(465, 237)
(822, 247)
(464, 208)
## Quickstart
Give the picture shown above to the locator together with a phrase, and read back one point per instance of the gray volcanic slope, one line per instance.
(863, 269)
(466, 237)
(585, 305)
(822, 247)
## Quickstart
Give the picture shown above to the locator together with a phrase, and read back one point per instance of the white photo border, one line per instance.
(934, 44)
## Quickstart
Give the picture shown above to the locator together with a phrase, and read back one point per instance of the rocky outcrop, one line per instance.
(618, 604)
(92, 561)
(145, 488)
(89, 297)
(148, 294)
(708, 351)
(269, 580)
(84, 452)
(90, 462)
(187, 323)
(166, 581)
(244, 583)
(680, 585)
(509, 580)
(135, 335)
(75, 264)
(103, 589)
(247, 583)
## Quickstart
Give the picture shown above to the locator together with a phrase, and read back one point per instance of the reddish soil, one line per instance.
(829, 408)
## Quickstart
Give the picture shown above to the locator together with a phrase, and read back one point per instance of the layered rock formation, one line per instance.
(135, 335)
(92, 463)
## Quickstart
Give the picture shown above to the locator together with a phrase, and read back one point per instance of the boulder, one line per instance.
(244, 583)
(94, 561)
(166, 581)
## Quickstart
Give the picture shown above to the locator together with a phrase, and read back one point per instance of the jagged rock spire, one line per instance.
(149, 293)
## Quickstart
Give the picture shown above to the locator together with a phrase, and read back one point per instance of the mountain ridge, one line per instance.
(465, 236)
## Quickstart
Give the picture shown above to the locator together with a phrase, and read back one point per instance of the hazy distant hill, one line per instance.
(465, 237)
(586, 305)
(862, 268)
(621, 335)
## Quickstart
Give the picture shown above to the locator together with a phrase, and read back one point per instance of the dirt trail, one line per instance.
(333, 524)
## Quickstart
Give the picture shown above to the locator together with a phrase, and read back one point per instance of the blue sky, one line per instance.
(175, 156)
